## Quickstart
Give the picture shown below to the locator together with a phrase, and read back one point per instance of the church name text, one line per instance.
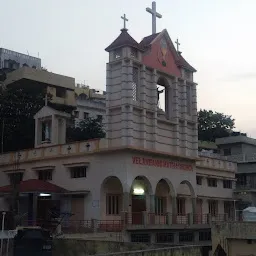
(161, 163)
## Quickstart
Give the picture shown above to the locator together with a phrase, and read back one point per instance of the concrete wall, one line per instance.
(246, 168)
(241, 247)
(70, 247)
(230, 234)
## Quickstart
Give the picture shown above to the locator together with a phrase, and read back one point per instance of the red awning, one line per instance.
(34, 185)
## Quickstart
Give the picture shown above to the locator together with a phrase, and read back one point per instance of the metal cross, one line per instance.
(154, 16)
(125, 19)
(178, 44)
(46, 99)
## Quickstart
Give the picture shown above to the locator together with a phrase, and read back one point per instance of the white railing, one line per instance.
(243, 158)
(212, 155)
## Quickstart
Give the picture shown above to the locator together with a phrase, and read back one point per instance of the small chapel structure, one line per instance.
(147, 171)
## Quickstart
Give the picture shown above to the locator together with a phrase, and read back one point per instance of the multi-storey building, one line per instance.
(242, 149)
(61, 88)
(90, 103)
(146, 176)
(11, 60)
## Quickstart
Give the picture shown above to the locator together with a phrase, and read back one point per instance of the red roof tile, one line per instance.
(34, 185)
(146, 41)
(124, 39)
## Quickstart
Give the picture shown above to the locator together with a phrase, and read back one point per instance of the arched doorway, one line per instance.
(141, 192)
(185, 202)
(163, 201)
(111, 198)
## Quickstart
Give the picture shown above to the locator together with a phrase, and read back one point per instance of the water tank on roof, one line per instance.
(249, 214)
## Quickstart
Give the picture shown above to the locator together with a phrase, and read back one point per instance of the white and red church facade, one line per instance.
(146, 173)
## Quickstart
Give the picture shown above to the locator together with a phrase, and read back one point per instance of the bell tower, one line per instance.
(151, 96)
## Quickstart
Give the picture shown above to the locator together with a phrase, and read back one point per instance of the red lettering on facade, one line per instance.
(161, 163)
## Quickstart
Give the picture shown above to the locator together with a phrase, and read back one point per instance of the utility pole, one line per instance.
(15, 192)
(2, 137)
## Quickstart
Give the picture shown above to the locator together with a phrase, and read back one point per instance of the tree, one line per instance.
(212, 125)
(89, 128)
(17, 110)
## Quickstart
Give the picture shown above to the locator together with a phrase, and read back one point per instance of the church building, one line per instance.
(146, 175)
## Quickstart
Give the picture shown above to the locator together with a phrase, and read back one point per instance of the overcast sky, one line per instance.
(217, 38)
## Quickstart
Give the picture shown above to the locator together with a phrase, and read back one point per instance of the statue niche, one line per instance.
(46, 131)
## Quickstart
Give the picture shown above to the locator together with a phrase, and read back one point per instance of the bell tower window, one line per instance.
(118, 53)
(134, 53)
(162, 95)
(135, 82)
(189, 100)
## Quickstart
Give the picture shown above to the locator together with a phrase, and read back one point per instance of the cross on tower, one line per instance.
(178, 44)
(154, 16)
(46, 100)
(125, 19)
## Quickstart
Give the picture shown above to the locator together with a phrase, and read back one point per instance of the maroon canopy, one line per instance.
(34, 185)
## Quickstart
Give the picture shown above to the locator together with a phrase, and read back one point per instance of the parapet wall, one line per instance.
(70, 247)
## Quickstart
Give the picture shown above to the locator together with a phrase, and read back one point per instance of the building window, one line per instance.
(78, 172)
(76, 114)
(205, 236)
(60, 92)
(15, 178)
(181, 210)
(135, 82)
(160, 205)
(134, 53)
(189, 100)
(187, 75)
(86, 115)
(241, 179)
(199, 180)
(227, 183)
(45, 175)
(140, 238)
(118, 53)
(228, 208)
(99, 118)
(113, 204)
(164, 237)
(227, 151)
(212, 182)
(186, 236)
(213, 207)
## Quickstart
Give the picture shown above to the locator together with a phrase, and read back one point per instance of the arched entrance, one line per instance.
(163, 201)
(185, 202)
(141, 191)
(111, 198)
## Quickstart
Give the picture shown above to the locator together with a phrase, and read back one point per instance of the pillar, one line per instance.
(35, 199)
(174, 210)
(126, 201)
(152, 203)
(194, 210)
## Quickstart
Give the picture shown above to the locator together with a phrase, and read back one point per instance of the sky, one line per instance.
(217, 37)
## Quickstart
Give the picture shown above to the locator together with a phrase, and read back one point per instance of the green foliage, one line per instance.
(17, 109)
(212, 125)
(89, 128)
